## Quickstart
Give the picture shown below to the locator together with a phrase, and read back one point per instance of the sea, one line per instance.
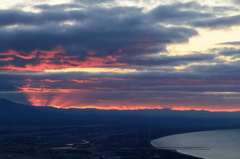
(218, 144)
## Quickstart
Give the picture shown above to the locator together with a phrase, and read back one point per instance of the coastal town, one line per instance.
(92, 142)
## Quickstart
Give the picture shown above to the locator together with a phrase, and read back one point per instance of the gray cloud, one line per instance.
(122, 35)
(173, 14)
(13, 17)
(230, 52)
(119, 31)
(58, 6)
(170, 60)
(206, 8)
(236, 1)
(93, 1)
(217, 23)
(230, 43)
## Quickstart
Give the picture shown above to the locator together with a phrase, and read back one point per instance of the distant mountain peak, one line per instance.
(9, 105)
(3, 99)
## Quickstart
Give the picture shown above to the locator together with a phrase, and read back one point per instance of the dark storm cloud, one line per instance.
(127, 24)
(167, 13)
(182, 12)
(120, 31)
(130, 38)
(217, 23)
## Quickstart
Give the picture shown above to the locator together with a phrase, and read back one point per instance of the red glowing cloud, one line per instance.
(46, 65)
(6, 59)
(58, 49)
(97, 97)
(55, 59)
(52, 81)
(44, 80)
(37, 100)
(69, 100)
(83, 101)
(46, 88)
(19, 54)
(30, 67)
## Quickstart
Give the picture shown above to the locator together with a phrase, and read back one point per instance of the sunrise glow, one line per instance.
(181, 55)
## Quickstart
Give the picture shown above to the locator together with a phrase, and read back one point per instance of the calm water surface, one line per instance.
(220, 144)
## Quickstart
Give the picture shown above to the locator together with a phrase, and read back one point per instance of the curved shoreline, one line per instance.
(178, 151)
(216, 144)
(175, 151)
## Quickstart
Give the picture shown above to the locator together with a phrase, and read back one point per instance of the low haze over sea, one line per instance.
(220, 144)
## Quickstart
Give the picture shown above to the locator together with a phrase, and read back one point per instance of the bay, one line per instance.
(218, 144)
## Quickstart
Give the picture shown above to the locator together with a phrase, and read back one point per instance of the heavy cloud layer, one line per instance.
(126, 51)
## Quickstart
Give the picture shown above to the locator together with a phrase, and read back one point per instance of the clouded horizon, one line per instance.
(135, 54)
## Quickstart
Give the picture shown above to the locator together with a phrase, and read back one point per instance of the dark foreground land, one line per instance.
(121, 141)
(28, 132)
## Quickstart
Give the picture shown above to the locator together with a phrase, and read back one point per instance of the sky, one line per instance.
(121, 54)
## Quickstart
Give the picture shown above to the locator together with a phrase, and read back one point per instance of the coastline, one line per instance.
(174, 154)
(177, 151)
(170, 153)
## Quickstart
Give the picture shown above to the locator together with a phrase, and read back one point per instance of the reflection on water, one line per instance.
(71, 146)
(83, 142)
(221, 144)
